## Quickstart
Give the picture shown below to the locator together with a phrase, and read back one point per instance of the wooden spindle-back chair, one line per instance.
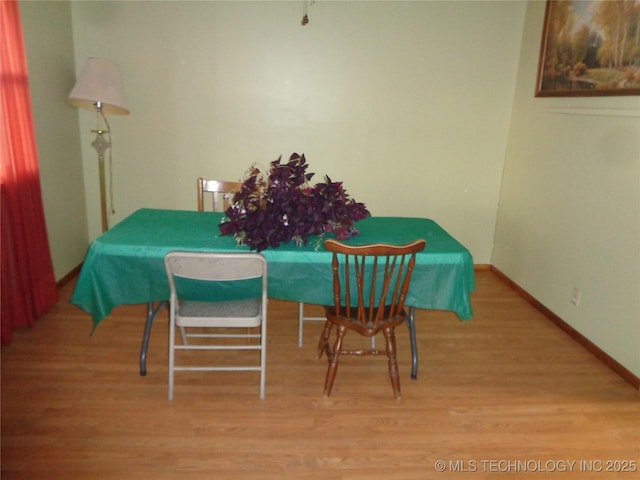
(221, 191)
(370, 285)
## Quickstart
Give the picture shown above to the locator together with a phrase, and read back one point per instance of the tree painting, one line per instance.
(590, 47)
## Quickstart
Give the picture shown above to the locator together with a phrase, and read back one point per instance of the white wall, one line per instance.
(49, 46)
(408, 103)
(570, 206)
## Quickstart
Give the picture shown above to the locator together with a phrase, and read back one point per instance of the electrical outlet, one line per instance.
(575, 296)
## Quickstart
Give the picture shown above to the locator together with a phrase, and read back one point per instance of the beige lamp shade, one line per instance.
(99, 82)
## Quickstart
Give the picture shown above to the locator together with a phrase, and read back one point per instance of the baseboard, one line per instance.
(481, 267)
(68, 277)
(573, 333)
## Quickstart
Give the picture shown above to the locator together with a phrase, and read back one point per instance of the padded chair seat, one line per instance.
(238, 313)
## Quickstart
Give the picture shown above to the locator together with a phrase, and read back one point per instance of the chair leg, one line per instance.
(302, 319)
(333, 361)
(263, 357)
(394, 373)
(172, 352)
(323, 343)
(300, 323)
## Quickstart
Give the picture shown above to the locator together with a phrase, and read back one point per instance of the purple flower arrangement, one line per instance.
(279, 206)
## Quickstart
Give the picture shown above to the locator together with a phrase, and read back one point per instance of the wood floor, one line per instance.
(506, 392)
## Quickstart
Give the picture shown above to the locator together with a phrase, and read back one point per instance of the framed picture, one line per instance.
(590, 48)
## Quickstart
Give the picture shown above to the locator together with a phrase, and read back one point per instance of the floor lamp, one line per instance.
(99, 88)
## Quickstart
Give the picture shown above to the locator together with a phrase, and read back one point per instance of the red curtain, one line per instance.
(28, 287)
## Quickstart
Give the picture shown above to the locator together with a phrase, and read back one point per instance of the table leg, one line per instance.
(411, 323)
(152, 312)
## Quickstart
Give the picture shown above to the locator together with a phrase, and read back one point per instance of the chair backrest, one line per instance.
(222, 193)
(215, 267)
(370, 282)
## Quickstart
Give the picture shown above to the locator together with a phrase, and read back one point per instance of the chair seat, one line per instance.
(232, 313)
(368, 328)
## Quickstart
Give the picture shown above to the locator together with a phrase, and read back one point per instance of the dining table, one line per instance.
(125, 265)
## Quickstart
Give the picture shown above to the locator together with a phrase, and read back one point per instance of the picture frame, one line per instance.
(589, 48)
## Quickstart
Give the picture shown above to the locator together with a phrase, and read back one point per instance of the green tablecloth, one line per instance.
(125, 264)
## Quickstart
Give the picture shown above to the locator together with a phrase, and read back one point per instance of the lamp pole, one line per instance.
(101, 144)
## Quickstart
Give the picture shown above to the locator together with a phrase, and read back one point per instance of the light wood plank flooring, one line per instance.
(507, 392)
